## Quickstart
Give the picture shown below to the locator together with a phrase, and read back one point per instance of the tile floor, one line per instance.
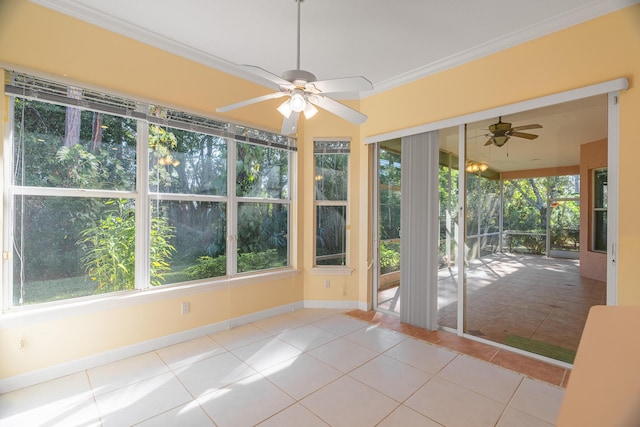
(311, 367)
(538, 298)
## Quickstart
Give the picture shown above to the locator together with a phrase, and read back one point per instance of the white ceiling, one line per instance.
(389, 42)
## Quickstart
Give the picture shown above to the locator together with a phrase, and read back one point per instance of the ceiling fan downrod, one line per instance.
(298, 56)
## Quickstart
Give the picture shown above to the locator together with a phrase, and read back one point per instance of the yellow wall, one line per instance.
(63, 48)
(599, 50)
(43, 42)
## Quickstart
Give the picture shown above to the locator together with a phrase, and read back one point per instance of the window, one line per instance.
(262, 190)
(108, 194)
(331, 183)
(599, 237)
(188, 189)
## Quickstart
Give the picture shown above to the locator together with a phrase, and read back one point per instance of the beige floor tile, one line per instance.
(347, 402)
(142, 400)
(190, 352)
(302, 375)
(341, 325)
(514, 418)
(245, 403)
(124, 372)
(427, 357)
(343, 354)
(307, 337)
(406, 417)
(188, 415)
(391, 377)
(294, 416)
(482, 377)
(376, 338)
(454, 406)
(538, 399)
(210, 374)
(266, 353)
(240, 336)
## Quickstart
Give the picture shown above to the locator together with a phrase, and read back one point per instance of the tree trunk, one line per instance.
(72, 119)
(96, 132)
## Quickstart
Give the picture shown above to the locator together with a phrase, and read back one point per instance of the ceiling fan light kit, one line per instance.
(306, 93)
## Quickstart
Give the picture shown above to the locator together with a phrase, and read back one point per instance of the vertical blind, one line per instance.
(419, 230)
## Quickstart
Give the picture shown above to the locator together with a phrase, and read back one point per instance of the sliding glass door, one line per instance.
(389, 173)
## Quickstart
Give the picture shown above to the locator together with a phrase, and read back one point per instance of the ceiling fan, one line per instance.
(305, 93)
(502, 131)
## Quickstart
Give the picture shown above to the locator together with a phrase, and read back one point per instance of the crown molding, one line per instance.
(591, 10)
(76, 9)
(585, 13)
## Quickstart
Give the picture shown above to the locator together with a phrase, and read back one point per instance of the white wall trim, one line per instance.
(613, 196)
(254, 317)
(343, 305)
(74, 366)
(332, 271)
(544, 101)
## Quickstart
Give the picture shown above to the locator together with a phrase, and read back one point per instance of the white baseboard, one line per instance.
(253, 317)
(343, 305)
(52, 372)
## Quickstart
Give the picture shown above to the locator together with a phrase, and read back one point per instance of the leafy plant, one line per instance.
(207, 266)
(110, 256)
(389, 259)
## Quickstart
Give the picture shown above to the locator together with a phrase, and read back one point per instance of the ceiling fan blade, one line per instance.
(345, 84)
(290, 124)
(523, 135)
(261, 72)
(525, 127)
(338, 109)
(489, 142)
(251, 101)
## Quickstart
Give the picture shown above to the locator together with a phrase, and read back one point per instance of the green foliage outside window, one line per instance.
(110, 248)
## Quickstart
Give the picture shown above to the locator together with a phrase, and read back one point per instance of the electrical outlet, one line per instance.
(21, 344)
(327, 283)
(185, 308)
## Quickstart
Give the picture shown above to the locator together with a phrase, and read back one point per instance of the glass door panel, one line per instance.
(449, 229)
(389, 196)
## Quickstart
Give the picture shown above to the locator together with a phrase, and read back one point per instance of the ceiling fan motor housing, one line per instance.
(299, 77)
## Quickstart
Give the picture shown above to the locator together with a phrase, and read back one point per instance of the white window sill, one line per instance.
(17, 316)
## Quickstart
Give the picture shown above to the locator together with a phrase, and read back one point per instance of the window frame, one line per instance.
(595, 210)
(329, 203)
(142, 195)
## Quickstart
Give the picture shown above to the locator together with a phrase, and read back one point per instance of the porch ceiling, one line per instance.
(565, 127)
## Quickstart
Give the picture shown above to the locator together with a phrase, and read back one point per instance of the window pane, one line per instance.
(600, 231)
(188, 241)
(262, 172)
(331, 176)
(67, 247)
(187, 162)
(262, 236)
(600, 189)
(56, 146)
(390, 195)
(331, 235)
